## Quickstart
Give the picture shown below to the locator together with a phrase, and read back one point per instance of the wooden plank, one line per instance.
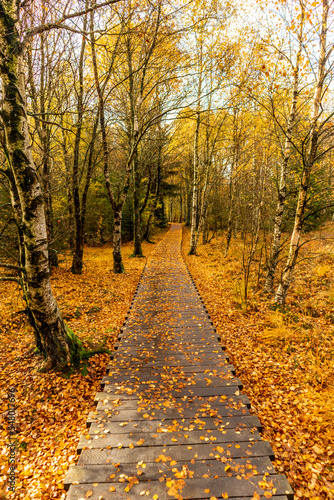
(139, 368)
(152, 471)
(167, 359)
(194, 489)
(188, 382)
(179, 453)
(160, 391)
(172, 347)
(212, 403)
(151, 424)
(119, 414)
(183, 368)
(200, 378)
(148, 439)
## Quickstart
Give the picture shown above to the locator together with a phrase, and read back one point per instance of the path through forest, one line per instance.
(171, 421)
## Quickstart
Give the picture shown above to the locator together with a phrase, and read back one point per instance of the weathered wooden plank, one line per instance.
(119, 414)
(179, 405)
(159, 391)
(152, 424)
(198, 379)
(194, 489)
(167, 359)
(171, 348)
(154, 470)
(179, 453)
(148, 439)
(185, 368)
(169, 383)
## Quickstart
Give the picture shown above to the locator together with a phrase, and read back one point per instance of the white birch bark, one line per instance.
(282, 190)
(58, 345)
(308, 162)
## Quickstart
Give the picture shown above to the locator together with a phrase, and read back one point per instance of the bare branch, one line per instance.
(11, 278)
(58, 24)
(10, 266)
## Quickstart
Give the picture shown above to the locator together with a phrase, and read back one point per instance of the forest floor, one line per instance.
(285, 359)
(51, 410)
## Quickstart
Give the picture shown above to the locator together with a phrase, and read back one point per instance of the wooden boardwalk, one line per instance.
(171, 420)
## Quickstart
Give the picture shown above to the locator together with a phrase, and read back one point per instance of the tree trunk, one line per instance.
(193, 232)
(77, 263)
(69, 193)
(285, 282)
(117, 242)
(308, 162)
(58, 345)
(156, 195)
(116, 205)
(204, 209)
(230, 220)
(282, 190)
(43, 129)
(194, 211)
(137, 248)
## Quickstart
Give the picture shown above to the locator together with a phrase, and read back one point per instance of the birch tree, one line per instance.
(286, 154)
(309, 155)
(59, 346)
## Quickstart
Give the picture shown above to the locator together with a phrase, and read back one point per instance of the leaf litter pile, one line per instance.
(285, 359)
(52, 410)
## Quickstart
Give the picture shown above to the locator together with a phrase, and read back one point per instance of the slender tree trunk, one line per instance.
(188, 207)
(156, 195)
(117, 241)
(181, 208)
(43, 130)
(282, 190)
(230, 219)
(69, 193)
(116, 205)
(77, 263)
(58, 346)
(233, 183)
(204, 207)
(287, 274)
(137, 247)
(309, 160)
(194, 210)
